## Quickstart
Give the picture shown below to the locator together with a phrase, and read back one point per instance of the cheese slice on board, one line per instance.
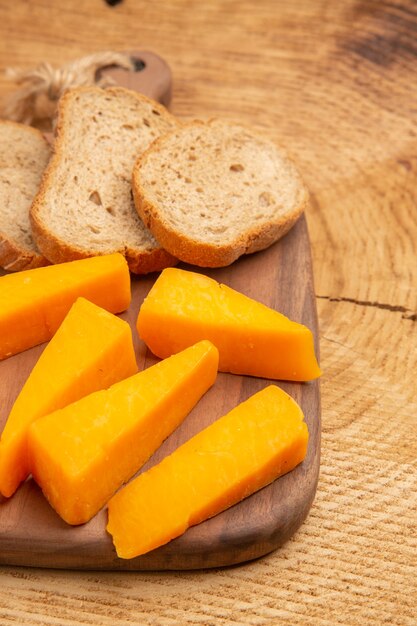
(83, 453)
(33, 303)
(91, 350)
(256, 442)
(184, 307)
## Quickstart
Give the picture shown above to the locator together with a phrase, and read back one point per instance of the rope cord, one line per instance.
(41, 87)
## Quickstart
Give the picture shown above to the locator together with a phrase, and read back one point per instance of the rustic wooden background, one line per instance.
(336, 83)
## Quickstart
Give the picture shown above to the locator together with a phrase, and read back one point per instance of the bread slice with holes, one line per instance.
(85, 206)
(24, 154)
(213, 191)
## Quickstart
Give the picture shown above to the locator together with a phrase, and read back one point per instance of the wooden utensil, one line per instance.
(32, 534)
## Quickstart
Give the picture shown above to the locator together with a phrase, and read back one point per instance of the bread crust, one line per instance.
(13, 256)
(206, 254)
(58, 250)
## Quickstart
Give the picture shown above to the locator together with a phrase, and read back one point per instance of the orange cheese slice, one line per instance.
(83, 453)
(34, 303)
(238, 454)
(184, 307)
(92, 349)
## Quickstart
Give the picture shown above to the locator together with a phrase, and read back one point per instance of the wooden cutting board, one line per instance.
(31, 533)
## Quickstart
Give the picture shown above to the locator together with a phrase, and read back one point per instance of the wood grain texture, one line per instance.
(335, 82)
(31, 533)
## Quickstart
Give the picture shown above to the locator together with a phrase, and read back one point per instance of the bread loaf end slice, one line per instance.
(24, 154)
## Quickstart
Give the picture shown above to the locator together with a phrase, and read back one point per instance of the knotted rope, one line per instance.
(42, 86)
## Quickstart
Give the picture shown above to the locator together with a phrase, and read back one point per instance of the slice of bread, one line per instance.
(212, 191)
(24, 154)
(85, 206)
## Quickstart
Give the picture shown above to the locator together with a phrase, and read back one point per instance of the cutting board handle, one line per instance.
(151, 76)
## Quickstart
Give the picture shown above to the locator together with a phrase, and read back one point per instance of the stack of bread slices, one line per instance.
(127, 176)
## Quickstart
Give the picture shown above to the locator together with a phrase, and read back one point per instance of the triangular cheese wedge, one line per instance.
(83, 453)
(92, 349)
(184, 307)
(34, 303)
(258, 441)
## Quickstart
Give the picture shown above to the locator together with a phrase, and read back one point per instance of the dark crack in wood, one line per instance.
(407, 314)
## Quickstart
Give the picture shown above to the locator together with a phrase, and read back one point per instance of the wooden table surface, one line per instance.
(336, 83)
